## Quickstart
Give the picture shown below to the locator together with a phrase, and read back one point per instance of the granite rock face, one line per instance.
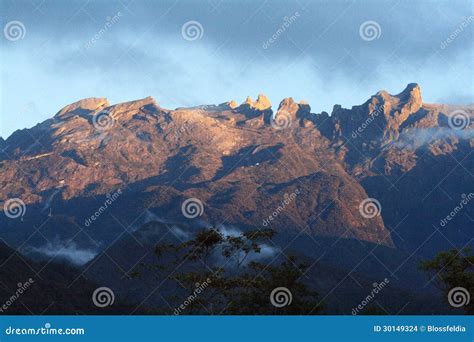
(243, 164)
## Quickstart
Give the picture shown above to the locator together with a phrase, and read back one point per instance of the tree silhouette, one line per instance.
(236, 283)
(454, 268)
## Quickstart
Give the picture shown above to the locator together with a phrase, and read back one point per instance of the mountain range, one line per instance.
(363, 193)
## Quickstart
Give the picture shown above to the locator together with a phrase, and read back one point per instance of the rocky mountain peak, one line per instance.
(127, 109)
(262, 103)
(248, 101)
(133, 105)
(398, 108)
(411, 90)
(232, 104)
(411, 96)
(83, 106)
(298, 112)
(145, 147)
(290, 105)
(287, 104)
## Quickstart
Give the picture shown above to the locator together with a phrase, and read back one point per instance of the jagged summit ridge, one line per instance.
(221, 149)
(262, 103)
(85, 105)
(93, 105)
(127, 109)
(410, 98)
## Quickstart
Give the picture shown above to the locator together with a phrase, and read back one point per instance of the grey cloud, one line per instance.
(417, 137)
(63, 250)
(320, 57)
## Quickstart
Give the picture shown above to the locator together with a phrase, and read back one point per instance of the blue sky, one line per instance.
(320, 55)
